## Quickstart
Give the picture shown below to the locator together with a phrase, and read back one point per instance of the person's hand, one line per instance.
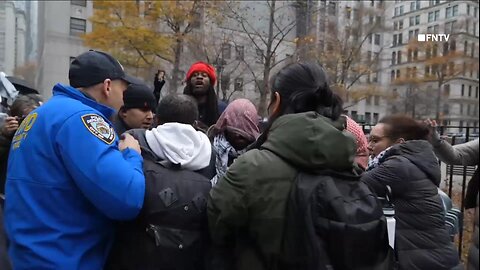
(127, 141)
(10, 126)
(432, 125)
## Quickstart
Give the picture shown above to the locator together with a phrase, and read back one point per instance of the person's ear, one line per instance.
(107, 87)
(275, 105)
(123, 113)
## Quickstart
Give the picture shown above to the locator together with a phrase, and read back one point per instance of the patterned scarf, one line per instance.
(224, 150)
(376, 161)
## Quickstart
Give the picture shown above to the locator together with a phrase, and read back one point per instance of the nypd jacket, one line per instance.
(66, 182)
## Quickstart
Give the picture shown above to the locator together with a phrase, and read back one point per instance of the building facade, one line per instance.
(436, 80)
(60, 24)
(13, 28)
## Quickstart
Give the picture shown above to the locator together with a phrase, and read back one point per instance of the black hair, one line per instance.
(304, 87)
(402, 126)
(23, 102)
(178, 109)
(211, 107)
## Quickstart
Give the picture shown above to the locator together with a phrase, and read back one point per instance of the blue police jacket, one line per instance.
(66, 183)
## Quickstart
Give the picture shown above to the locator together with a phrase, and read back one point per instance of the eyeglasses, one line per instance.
(375, 139)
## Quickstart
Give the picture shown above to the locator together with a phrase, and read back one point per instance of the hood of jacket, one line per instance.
(180, 144)
(311, 142)
(421, 154)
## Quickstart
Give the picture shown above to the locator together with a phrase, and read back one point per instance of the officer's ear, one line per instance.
(107, 87)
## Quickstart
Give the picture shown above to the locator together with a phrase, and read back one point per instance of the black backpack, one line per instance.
(171, 231)
(334, 221)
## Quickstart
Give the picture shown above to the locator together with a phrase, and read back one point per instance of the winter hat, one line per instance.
(139, 96)
(202, 67)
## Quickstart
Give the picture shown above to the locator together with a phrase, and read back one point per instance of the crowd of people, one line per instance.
(106, 174)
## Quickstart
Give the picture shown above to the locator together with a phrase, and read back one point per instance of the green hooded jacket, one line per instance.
(247, 208)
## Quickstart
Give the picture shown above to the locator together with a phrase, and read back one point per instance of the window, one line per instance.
(410, 35)
(226, 51)
(461, 112)
(465, 47)
(455, 10)
(354, 115)
(431, 16)
(415, 54)
(472, 50)
(437, 15)
(409, 55)
(451, 68)
(469, 91)
(348, 12)
(77, 26)
(476, 92)
(409, 71)
(411, 21)
(412, 6)
(368, 117)
(417, 20)
(400, 25)
(468, 9)
(446, 108)
(463, 90)
(446, 90)
(398, 73)
(369, 100)
(394, 57)
(453, 45)
(450, 27)
(392, 75)
(394, 40)
(449, 12)
(400, 39)
(240, 52)
(445, 48)
(414, 72)
(399, 57)
(375, 118)
(434, 50)
(238, 84)
(82, 3)
(332, 8)
(377, 39)
(376, 100)
(259, 56)
(417, 4)
(435, 29)
(401, 10)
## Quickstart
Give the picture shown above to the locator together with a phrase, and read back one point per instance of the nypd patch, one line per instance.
(99, 127)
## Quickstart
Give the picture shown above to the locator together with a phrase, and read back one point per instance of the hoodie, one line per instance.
(180, 144)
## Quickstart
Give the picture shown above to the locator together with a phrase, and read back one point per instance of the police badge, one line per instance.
(99, 127)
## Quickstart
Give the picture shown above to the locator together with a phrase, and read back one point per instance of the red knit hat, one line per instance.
(202, 67)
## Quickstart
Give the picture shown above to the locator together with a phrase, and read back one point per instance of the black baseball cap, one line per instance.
(139, 96)
(94, 67)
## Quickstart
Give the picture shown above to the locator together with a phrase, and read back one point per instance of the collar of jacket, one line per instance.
(61, 89)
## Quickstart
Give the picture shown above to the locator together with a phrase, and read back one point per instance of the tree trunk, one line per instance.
(176, 67)
(438, 101)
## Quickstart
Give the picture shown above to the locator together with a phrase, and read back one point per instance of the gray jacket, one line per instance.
(461, 154)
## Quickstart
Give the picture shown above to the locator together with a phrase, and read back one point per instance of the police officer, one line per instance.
(68, 173)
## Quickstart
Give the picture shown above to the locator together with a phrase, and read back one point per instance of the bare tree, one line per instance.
(266, 42)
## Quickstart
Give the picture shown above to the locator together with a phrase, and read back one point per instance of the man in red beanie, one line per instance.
(200, 80)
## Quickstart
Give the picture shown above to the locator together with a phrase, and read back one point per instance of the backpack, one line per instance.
(334, 221)
(171, 231)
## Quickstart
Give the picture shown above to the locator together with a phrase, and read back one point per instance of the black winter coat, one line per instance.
(412, 171)
(179, 239)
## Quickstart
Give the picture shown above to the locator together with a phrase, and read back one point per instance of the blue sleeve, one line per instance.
(112, 180)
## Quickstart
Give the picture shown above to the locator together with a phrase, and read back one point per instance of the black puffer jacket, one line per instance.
(421, 238)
